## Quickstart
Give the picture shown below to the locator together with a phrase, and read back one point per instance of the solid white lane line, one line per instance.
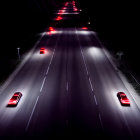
(95, 100)
(49, 64)
(101, 121)
(31, 114)
(43, 83)
(90, 84)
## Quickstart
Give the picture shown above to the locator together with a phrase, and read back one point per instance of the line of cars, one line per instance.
(17, 95)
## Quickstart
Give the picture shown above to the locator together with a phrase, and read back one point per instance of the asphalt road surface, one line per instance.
(69, 92)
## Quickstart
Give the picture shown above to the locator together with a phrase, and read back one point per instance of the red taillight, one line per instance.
(84, 28)
(61, 12)
(59, 18)
(42, 51)
(51, 29)
(66, 3)
(63, 8)
(75, 9)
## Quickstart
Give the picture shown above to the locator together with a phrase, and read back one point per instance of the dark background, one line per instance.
(22, 20)
(117, 23)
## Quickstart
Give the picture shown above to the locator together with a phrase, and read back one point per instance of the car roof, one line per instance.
(14, 97)
(121, 93)
(17, 93)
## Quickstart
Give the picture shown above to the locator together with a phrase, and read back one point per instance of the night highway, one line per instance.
(69, 91)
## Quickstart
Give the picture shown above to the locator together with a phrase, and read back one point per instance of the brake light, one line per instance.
(51, 29)
(75, 9)
(59, 18)
(84, 28)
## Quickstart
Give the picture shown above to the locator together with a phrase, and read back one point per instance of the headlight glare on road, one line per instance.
(96, 53)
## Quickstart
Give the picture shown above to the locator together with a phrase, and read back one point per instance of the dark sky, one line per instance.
(22, 19)
(118, 17)
(117, 22)
(107, 15)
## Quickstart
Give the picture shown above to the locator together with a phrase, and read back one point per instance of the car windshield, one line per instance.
(14, 97)
(124, 97)
(16, 94)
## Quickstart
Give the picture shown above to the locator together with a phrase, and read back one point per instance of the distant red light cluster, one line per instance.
(59, 18)
(74, 7)
(63, 10)
(66, 4)
(84, 28)
(51, 31)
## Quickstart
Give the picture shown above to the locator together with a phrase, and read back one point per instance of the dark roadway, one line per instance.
(69, 92)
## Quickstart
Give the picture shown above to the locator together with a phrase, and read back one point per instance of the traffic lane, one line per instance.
(30, 70)
(28, 81)
(106, 77)
(49, 116)
(56, 114)
(83, 118)
(130, 116)
(111, 85)
(109, 105)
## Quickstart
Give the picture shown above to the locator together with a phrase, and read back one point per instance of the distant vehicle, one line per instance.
(84, 28)
(15, 99)
(51, 29)
(59, 18)
(123, 98)
(42, 50)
